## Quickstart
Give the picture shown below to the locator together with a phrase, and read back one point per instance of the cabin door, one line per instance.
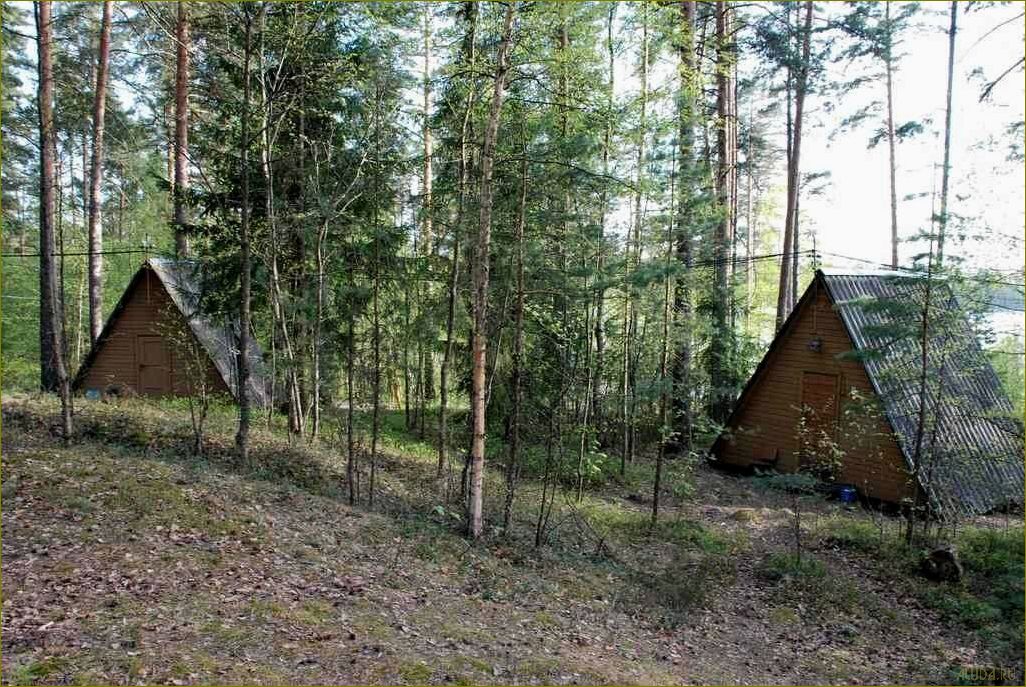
(819, 414)
(154, 362)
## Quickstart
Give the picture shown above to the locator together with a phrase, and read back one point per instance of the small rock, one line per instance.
(847, 630)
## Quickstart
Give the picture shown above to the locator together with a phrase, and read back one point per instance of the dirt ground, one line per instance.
(127, 566)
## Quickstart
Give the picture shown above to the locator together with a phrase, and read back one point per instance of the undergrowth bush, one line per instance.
(19, 375)
(684, 585)
(780, 565)
(988, 601)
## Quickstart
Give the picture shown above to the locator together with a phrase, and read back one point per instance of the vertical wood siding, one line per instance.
(764, 429)
(148, 311)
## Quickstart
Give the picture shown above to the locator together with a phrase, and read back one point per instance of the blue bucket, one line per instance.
(846, 494)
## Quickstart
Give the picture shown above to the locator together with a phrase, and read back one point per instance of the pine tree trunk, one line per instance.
(315, 409)
(428, 244)
(96, 179)
(375, 314)
(627, 383)
(467, 57)
(792, 291)
(726, 147)
(942, 221)
(427, 234)
(351, 467)
(749, 225)
(376, 374)
(784, 295)
(289, 346)
(892, 165)
(245, 262)
(169, 136)
(516, 382)
(181, 177)
(53, 369)
(664, 359)
(686, 105)
(48, 305)
(80, 319)
(923, 390)
(407, 406)
(480, 276)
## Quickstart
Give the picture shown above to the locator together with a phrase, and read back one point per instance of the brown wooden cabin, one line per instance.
(135, 353)
(830, 347)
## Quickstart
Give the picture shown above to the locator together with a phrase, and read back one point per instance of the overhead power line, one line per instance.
(977, 278)
(78, 254)
(740, 260)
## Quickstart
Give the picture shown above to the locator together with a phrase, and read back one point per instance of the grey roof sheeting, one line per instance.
(182, 279)
(975, 446)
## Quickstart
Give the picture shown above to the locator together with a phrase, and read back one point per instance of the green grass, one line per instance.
(19, 374)
(144, 479)
(37, 672)
(807, 582)
(778, 566)
(627, 524)
(415, 673)
(988, 602)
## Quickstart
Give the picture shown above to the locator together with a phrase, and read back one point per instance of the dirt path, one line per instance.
(121, 566)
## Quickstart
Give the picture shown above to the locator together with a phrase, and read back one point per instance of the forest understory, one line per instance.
(129, 561)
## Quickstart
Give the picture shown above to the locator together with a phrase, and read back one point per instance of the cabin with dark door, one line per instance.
(830, 357)
(159, 340)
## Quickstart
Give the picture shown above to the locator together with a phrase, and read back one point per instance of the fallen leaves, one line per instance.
(137, 568)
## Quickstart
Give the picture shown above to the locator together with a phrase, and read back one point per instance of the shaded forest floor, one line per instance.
(126, 560)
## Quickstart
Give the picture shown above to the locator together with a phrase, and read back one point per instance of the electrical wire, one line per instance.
(739, 260)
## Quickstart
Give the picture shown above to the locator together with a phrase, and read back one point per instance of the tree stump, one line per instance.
(942, 565)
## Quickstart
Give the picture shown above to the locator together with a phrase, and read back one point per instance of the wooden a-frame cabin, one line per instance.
(135, 355)
(828, 351)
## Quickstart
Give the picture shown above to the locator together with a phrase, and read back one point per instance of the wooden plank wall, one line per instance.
(115, 363)
(766, 426)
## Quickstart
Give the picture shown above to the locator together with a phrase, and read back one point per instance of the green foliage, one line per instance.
(993, 561)
(138, 424)
(38, 672)
(685, 585)
(990, 594)
(794, 483)
(1007, 359)
(778, 566)
(864, 536)
(415, 673)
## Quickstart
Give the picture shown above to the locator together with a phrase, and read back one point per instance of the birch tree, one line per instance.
(96, 179)
(181, 144)
(480, 274)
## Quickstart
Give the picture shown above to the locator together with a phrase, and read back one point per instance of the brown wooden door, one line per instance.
(154, 362)
(819, 409)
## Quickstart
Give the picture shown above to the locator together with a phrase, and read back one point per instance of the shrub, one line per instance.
(778, 566)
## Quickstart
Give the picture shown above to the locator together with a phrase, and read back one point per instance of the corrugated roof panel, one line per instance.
(975, 447)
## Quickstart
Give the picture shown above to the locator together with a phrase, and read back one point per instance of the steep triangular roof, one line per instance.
(977, 447)
(181, 280)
